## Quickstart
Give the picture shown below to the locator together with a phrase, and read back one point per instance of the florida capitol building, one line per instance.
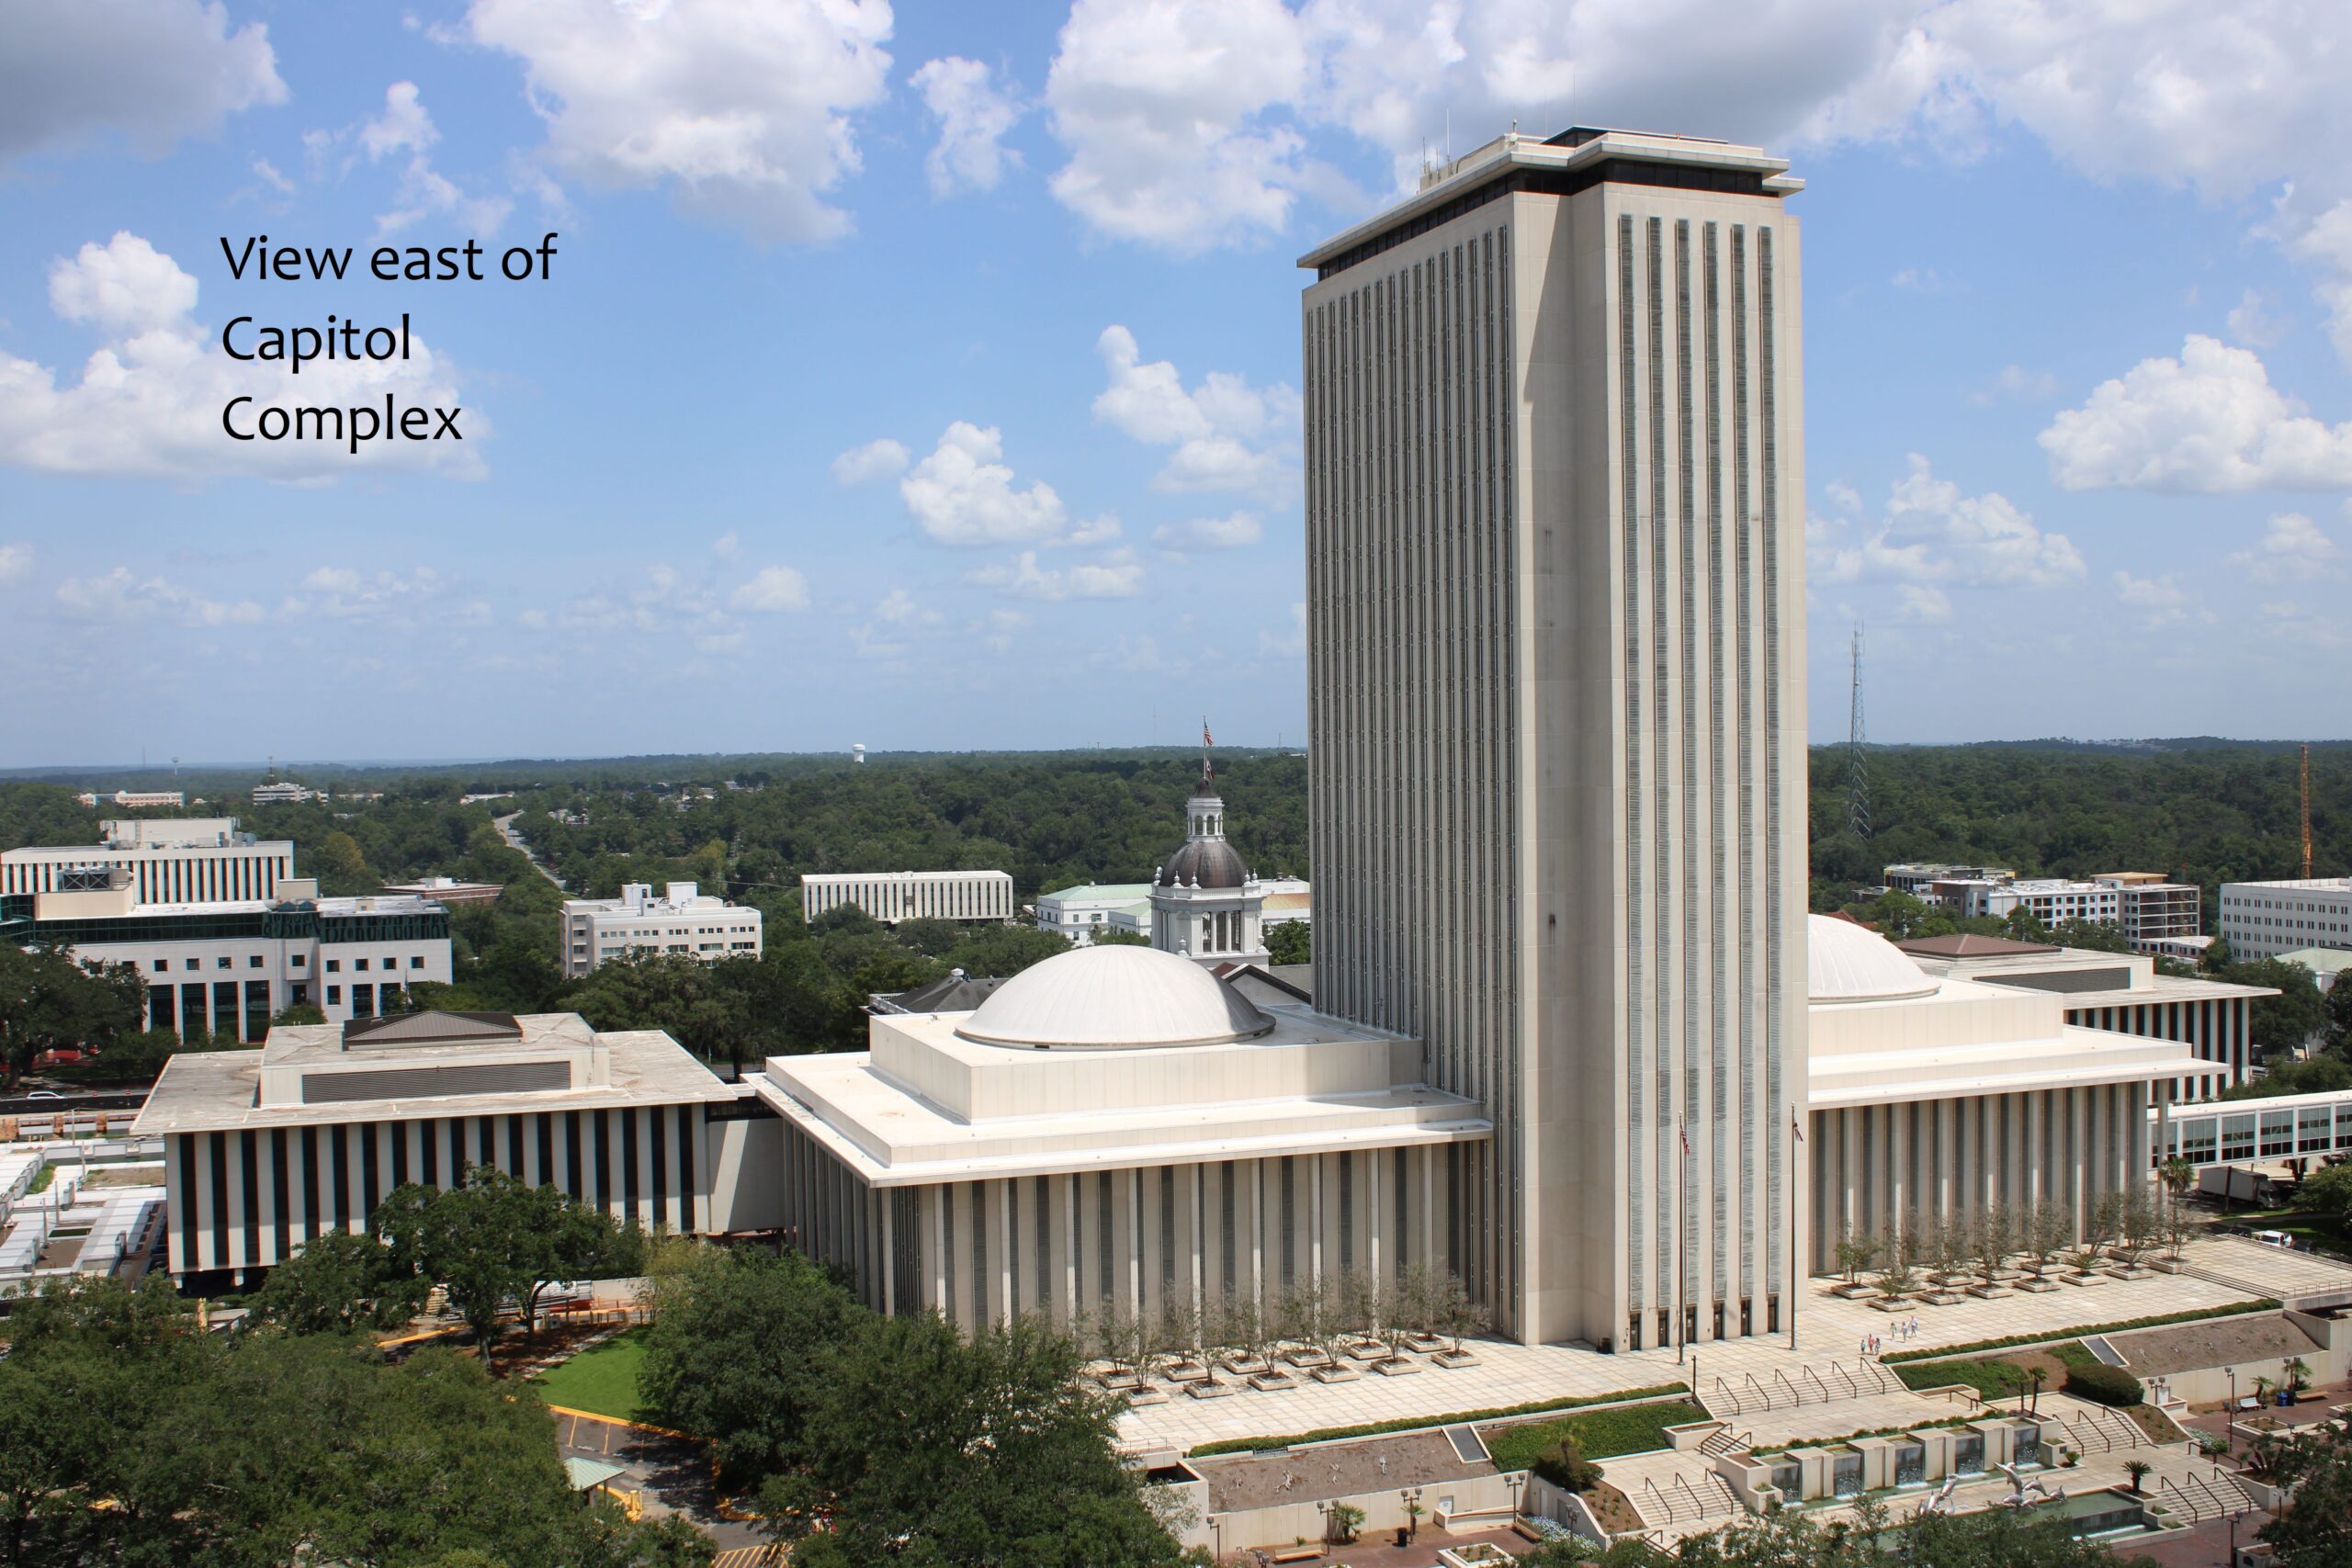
(1565, 981)
(1573, 1037)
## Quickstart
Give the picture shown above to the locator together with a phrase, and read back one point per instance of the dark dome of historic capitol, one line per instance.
(1204, 863)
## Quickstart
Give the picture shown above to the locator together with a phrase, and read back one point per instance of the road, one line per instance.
(505, 826)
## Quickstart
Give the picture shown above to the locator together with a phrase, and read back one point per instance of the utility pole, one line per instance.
(1857, 778)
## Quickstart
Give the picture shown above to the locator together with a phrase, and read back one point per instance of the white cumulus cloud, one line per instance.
(149, 400)
(1920, 602)
(2209, 421)
(1227, 434)
(1209, 533)
(1189, 123)
(16, 561)
(2291, 550)
(742, 109)
(875, 460)
(404, 127)
(155, 70)
(117, 595)
(772, 590)
(963, 493)
(1113, 577)
(1931, 533)
(973, 113)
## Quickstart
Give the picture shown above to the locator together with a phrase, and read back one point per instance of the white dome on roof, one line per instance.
(1111, 998)
(1847, 963)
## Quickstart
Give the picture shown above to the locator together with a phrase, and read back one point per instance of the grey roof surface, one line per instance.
(220, 1091)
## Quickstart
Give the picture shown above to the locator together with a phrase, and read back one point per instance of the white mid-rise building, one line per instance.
(2155, 916)
(2264, 920)
(172, 860)
(227, 966)
(282, 792)
(135, 798)
(1918, 877)
(1082, 913)
(683, 922)
(894, 895)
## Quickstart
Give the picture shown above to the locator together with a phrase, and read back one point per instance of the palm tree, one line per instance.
(2137, 1468)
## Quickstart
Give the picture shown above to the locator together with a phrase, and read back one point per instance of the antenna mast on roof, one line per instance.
(1857, 778)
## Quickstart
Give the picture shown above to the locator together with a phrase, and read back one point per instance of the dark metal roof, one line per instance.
(1204, 863)
(953, 992)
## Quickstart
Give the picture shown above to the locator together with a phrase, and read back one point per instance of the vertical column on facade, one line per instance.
(1899, 1192)
(1072, 1302)
(2079, 1172)
(1314, 1256)
(1131, 1192)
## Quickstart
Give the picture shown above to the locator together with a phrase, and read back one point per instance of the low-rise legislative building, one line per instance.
(1118, 1126)
(172, 860)
(2121, 992)
(228, 965)
(894, 895)
(1937, 1096)
(683, 921)
(265, 1149)
(2267, 919)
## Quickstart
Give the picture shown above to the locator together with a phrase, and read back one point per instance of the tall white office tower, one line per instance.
(1555, 538)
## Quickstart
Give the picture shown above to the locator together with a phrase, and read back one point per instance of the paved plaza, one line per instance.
(1830, 1336)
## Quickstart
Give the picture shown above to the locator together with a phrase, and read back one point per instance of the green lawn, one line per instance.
(1601, 1434)
(601, 1382)
(1993, 1380)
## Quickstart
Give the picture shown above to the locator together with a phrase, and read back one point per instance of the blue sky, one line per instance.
(923, 375)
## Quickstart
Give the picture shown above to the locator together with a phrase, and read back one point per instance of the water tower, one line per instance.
(858, 753)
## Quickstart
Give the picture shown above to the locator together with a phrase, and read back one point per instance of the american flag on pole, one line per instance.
(1205, 738)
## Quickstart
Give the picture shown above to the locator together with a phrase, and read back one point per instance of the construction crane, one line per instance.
(2307, 811)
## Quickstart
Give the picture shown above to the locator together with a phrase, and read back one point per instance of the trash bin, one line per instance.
(1400, 1535)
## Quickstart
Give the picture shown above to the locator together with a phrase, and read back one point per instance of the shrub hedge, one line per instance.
(1597, 1434)
(2103, 1385)
(1415, 1423)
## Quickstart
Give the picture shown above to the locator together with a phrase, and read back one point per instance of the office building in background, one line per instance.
(683, 921)
(894, 895)
(1555, 610)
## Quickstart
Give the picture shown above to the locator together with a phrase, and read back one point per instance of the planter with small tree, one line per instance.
(1855, 1252)
(1458, 1315)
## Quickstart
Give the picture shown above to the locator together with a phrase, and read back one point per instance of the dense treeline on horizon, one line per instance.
(2206, 812)
(2203, 809)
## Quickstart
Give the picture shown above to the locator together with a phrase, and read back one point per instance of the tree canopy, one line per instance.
(128, 1436)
